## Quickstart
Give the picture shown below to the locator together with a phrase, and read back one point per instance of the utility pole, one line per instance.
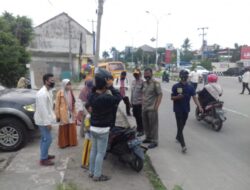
(203, 34)
(98, 31)
(93, 34)
(70, 50)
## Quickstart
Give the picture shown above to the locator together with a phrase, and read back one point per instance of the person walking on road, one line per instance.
(66, 115)
(45, 117)
(103, 100)
(122, 85)
(181, 95)
(194, 78)
(152, 95)
(246, 81)
(136, 100)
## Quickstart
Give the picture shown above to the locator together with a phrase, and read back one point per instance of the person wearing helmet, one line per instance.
(181, 95)
(103, 101)
(211, 91)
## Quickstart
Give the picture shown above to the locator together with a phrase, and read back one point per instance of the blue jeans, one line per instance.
(98, 151)
(46, 140)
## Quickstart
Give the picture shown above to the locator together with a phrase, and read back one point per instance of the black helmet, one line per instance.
(101, 78)
(183, 75)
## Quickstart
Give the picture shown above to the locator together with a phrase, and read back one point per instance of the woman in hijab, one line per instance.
(21, 83)
(66, 115)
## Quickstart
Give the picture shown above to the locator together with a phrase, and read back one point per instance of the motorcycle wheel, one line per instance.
(137, 163)
(218, 125)
(197, 114)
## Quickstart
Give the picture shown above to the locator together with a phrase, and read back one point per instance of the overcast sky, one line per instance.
(126, 23)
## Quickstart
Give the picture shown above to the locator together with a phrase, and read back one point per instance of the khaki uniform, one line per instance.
(151, 91)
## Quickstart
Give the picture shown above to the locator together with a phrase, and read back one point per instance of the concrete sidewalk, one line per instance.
(21, 169)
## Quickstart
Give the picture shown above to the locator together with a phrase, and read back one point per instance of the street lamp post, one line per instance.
(132, 51)
(156, 39)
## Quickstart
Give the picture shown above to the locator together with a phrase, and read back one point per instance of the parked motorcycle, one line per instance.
(213, 114)
(124, 144)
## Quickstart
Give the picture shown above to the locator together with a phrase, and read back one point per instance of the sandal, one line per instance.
(101, 178)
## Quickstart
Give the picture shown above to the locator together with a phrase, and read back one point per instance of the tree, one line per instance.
(186, 54)
(105, 55)
(207, 64)
(236, 53)
(15, 35)
(114, 53)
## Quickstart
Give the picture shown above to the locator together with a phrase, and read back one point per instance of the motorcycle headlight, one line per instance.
(30, 107)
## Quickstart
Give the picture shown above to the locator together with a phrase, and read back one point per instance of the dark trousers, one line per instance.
(181, 119)
(245, 86)
(127, 103)
(137, 112)
(194, 84)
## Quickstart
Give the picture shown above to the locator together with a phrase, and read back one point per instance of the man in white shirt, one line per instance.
(245, 81)
(44, 117)
(194, 78)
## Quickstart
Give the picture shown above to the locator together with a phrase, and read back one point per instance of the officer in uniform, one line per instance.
(152, 95)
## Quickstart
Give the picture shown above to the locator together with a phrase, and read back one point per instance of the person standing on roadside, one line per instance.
(103, 101)
(122, 85)
(194, 78)
(136, 100)
(151, 99)
(246, 81)
(66, 115)
(181, 95)
(44, 118)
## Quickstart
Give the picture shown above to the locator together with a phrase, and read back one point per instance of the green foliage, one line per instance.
(207, 64)
(186, 54)
(15, 34)
(177, 187)
(69, 186)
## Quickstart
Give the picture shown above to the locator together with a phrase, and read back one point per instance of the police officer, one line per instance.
(152, 95)
(181, 95)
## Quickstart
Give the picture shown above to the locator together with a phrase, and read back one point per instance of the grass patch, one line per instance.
(153, 176)
(66, 186)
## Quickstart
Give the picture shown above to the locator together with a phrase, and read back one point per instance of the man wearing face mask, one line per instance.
(152, 95)
(44, 118)
(136, 100)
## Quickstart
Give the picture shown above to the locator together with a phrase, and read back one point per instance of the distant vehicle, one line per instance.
(17, 107)
(234, 71)
(114, 67)
(200, 70)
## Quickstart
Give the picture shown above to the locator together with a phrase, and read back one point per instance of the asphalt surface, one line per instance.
(214, 160)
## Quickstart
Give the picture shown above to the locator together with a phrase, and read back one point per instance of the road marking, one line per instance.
(236, 112)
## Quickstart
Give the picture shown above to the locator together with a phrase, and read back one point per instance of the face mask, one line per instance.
(147, 78)
(51, 84)
(136, 76)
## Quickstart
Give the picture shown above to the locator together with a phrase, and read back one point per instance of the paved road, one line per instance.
(215, 160)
